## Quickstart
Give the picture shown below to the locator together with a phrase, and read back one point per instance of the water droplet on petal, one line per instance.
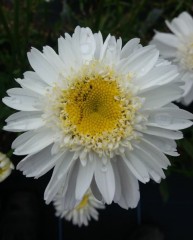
(104, 168)
(26, 126)
(111, 48)
(15, 100)
(169, 148)
(142, 70)
(85, 48)
(163, 119)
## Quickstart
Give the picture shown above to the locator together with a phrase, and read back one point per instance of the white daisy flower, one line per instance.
(82, 213)
(178, 47)
(100, 114)
(6, 166)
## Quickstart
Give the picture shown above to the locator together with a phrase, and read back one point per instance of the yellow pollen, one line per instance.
(92, 106)
(97, 111)
(6, 167)
(83, 203)
(186, 55)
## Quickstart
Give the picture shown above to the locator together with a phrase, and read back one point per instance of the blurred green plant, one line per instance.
(26, 23)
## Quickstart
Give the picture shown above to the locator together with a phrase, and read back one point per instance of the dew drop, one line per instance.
(111, 48)
(169, 148)
(26, 126)
(85, 48)
(104, 168)
(142, 70)
(163, 119)
(15, 100)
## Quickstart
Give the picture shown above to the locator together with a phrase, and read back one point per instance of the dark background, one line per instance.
(24, 215)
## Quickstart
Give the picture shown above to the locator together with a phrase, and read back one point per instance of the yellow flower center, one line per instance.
(5, 166)
(83, 203)
(4, 169)
(186, 55)
(92, 106)
(96, 110)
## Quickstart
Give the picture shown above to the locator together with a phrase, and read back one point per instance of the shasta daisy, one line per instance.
(82, 213)
(178, 47)
(6, 167)
(98, 113)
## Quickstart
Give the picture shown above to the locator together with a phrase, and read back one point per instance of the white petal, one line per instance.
(188, 20)
(40, 139)
(188, 83)
(167, 39)
(87, 43)
(158, 76)
(153, 168)
(130, 47)
(53, 59)
(112, 52)
(84, 178)
(141, 61)
(118, 189)
(162, 62)
(165, 50)
(109, 55)
(69, 195)
(22, 99)
(136, 166)
(166, 133)
(66, 52)
(33, 82)
(40, 163)
(95, 190)
(181, 25)
(155, 153)
(42, 67)
(24, 121)
(156, 98)
(167, 146)
(186, 100)
(104, 47)
(58, 177)
(170, 118)
(105, 180)
(22, 138)
(75, 43)
(118, 49)
(129, 187)
(99, 43)
(187, 96)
